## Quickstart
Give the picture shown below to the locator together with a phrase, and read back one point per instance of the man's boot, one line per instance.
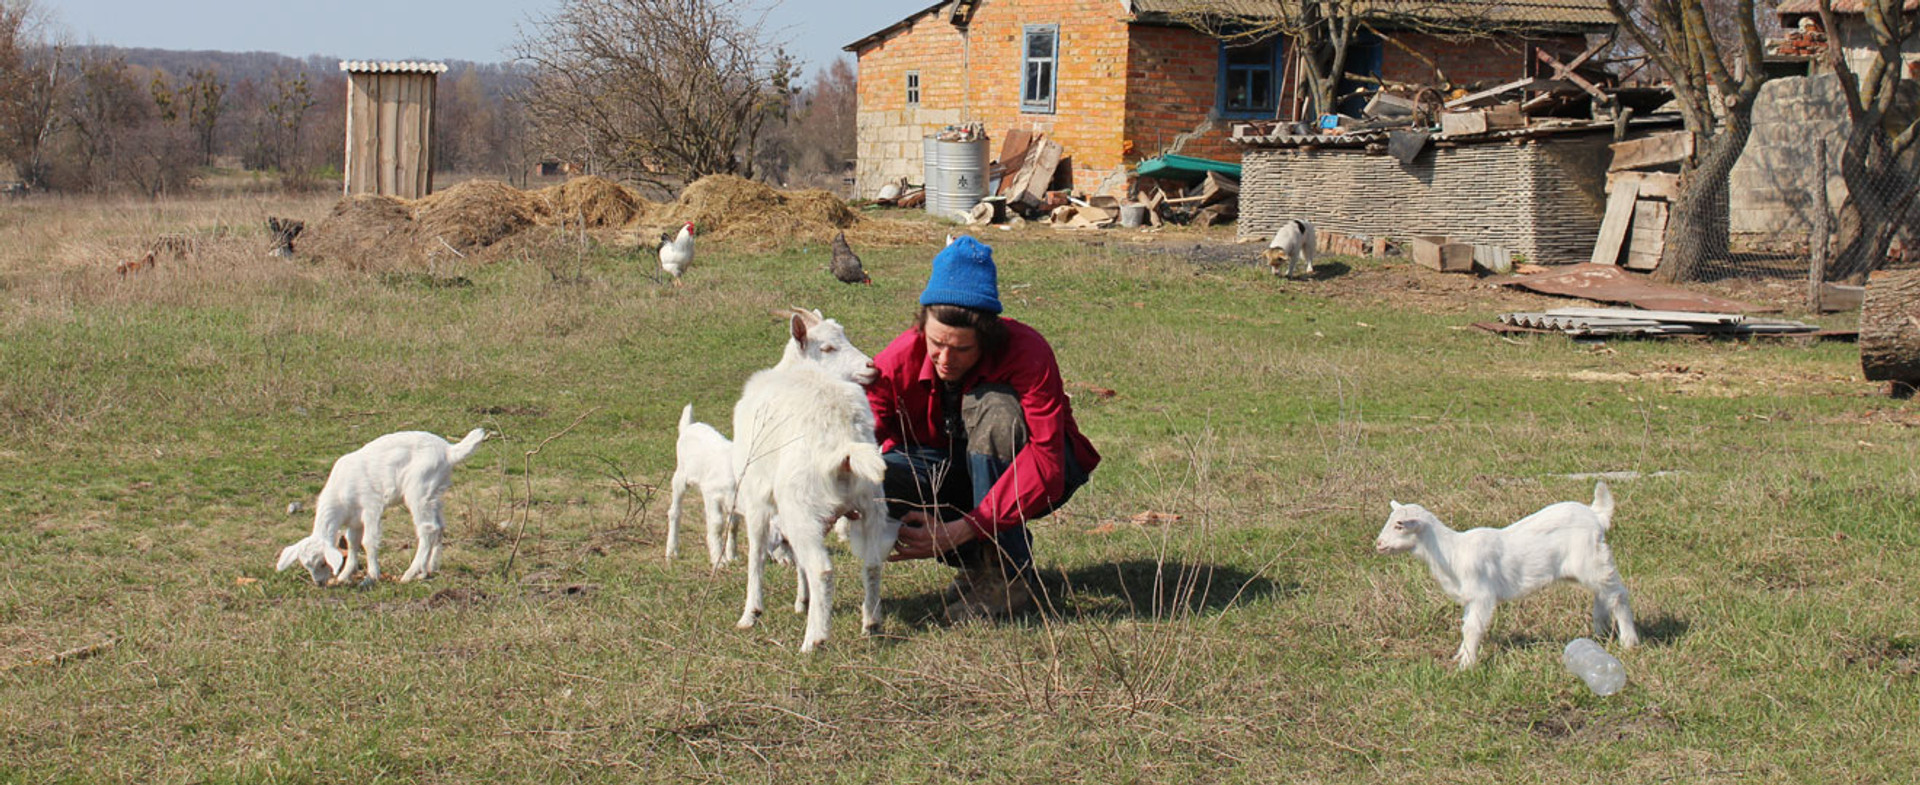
(987, 591)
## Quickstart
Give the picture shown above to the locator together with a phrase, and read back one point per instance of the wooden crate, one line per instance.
(1435, 253)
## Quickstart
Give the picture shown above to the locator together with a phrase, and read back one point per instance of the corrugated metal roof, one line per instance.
(1510, 12)
(1839, 6)
(392, 67)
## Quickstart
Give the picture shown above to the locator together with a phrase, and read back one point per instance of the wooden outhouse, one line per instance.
(390, 127)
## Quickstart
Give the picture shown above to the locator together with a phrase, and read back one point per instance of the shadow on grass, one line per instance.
(1138, 589)
(1661, 630)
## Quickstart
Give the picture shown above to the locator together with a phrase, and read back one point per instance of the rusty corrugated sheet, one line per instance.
(1608, 284)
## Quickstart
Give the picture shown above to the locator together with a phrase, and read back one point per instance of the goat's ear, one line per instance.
(333, 557)
(1396, 505)
(798, 327)
(288, 557)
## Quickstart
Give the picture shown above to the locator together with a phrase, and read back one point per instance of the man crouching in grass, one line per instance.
(978, 436)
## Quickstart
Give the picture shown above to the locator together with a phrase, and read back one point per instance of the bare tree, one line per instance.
(102, 113)
(1715, 90)
(665, 90)
(32, 83)
(1880, 163)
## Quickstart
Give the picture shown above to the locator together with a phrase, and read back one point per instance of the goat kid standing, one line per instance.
(1481, 568)
(411, 466)
(703, 460)
(804, 450)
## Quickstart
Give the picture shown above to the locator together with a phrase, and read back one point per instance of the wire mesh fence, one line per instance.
(1801, 201)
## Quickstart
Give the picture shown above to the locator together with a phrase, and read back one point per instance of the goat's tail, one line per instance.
(459, 452)
(860, 459)
(686, 417)
(1603, 504)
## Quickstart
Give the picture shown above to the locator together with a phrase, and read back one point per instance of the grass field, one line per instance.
(155, 428)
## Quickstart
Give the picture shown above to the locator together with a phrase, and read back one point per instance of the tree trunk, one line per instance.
(1890, 328)
(1697, 222)
(1880, 195)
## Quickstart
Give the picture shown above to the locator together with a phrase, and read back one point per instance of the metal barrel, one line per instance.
(960, 178)
(930, 172)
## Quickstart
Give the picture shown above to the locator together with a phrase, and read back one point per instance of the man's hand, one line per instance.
(924, 538)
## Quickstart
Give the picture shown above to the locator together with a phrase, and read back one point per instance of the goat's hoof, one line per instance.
(368, 582)
(870, 629)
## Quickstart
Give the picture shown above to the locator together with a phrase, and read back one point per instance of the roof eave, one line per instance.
(888, 31)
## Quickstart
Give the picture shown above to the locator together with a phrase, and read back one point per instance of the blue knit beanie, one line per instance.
(963, 275)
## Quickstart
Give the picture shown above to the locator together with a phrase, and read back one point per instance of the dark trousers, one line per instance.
(932, 480)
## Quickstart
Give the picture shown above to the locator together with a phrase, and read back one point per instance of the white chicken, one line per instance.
(676, 255)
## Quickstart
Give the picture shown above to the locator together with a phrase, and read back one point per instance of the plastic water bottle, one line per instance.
(1602, 673)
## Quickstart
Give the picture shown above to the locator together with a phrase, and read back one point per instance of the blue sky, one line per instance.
(478, 30)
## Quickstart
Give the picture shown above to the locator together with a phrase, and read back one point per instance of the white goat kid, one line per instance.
(1481, 568)
(411, 466)
(704, 462)
(1295, 243)
(804, 450)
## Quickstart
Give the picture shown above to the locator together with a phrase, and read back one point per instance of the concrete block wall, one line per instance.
(1772, 184)
(1542, 199)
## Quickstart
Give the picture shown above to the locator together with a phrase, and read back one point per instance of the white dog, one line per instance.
(411, 466)
(1294, 243)
(1481, 568)
(703, 460)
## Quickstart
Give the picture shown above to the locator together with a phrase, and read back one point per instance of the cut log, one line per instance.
(1890, 327)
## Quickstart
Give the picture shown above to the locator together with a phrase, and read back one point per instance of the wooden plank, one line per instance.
(1613, 229)
(1492, 95)
(407, 180)
(1013, 156)
(1648, 239)
(388, 134)
(1835, 297)
(1038, 173)
(426, 133)
(1652, 185)
(1667, 148)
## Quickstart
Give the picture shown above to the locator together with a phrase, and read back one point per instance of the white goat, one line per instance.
(804, 450)
(704, 461)
(1481, 568)
(1295, 243)
(411, 466)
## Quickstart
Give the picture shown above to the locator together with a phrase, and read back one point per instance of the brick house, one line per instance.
(1118, 81)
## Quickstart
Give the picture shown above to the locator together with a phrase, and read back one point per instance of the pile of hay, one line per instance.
(474, 214)
(382, 232)
(725, 206)
(592, 202)
(363, 232)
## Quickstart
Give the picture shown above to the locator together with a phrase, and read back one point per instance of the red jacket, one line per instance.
(906, 411)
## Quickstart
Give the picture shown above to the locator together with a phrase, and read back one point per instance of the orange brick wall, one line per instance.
(1173, 88)
(1123, 92)
(1470, 61)
(975, 77)
(889, 131)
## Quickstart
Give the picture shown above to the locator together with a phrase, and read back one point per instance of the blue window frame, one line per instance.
(1250, 77)
(1040, 65)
